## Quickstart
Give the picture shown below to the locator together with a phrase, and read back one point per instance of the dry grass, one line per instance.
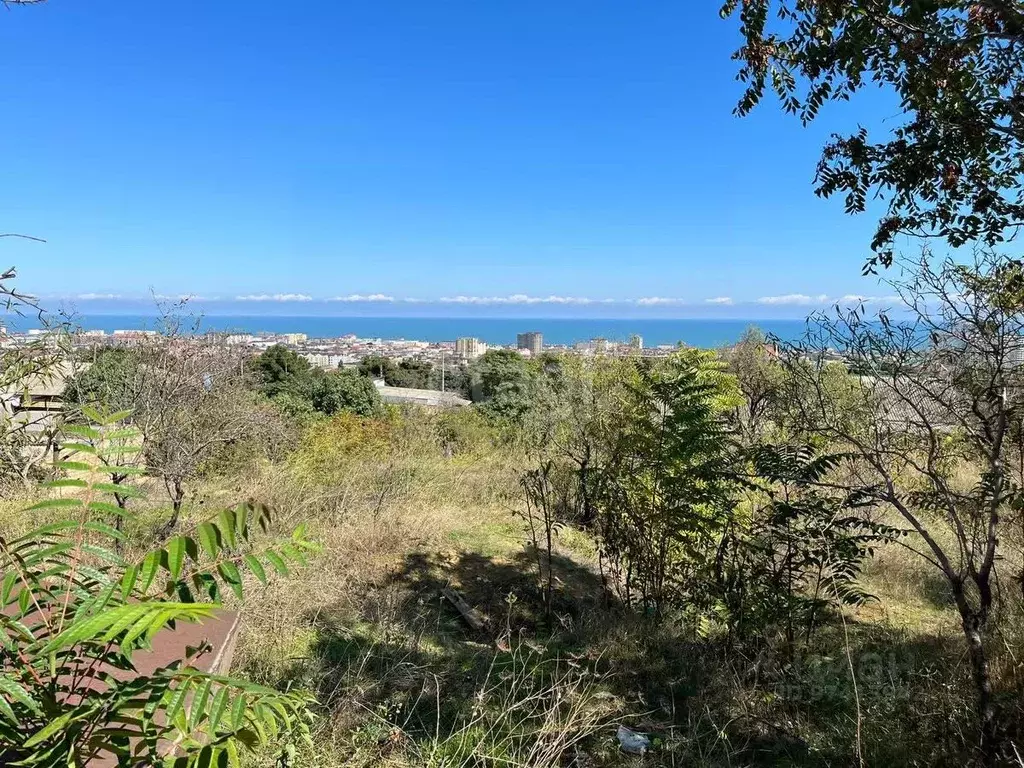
(403, 682)
(400, 679)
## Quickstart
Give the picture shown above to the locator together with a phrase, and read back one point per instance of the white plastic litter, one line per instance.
(632, 742)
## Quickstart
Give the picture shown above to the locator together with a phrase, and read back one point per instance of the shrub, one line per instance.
(280, 369)
(72, 609)
(345, 391)
(329, 444)
(463, 430)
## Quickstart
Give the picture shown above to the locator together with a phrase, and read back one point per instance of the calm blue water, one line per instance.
(698, 333)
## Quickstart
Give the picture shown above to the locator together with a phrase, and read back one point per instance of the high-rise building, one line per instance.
(532, 341)
(636, 341)
(469, 348)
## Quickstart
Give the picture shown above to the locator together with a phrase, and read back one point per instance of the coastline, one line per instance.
(498, 331)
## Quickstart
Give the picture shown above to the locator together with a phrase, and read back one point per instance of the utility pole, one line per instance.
(442, 369)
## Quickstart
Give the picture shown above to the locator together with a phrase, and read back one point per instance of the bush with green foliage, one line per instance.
(302, 392)
(113, 378)
(759, 375)
(796, 550)
(494, 369)
(414, 374)
(456, 378)
(378, 367)
(648, 458)
(295, 406)
(504, 386)
(665, 492)
(463, 430)
(73, 609)
(281, 370)
(345, 390)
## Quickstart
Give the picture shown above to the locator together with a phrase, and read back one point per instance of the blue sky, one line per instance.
(409, 157)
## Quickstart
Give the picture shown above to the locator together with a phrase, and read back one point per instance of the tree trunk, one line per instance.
(178, 498)
(549, 588)
(973, 622)
(989, 744)
(177, 494)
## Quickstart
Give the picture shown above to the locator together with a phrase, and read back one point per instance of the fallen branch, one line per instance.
(471, 615)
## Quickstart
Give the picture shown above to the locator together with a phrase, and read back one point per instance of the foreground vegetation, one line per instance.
(401, 679)
(799, 556)
(758, 557)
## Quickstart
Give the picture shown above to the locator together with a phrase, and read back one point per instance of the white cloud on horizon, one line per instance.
(521, 298)
(518, 299)
(854, 298)
(359, 297)
(275, 297)
(184, 297)
(654, 301)
(791, 299)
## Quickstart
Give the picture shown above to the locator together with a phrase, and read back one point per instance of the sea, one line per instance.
(497, 331)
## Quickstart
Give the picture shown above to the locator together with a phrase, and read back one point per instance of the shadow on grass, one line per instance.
(506, 590)
(423, 683)
(409, 668)
(420, 664)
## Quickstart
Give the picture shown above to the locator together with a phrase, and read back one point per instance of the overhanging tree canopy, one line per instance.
(953, 167)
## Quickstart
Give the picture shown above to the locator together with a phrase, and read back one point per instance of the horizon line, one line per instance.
(457, 317)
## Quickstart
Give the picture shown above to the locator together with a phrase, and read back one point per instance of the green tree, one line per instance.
(952, 166)
(415, 374)
(665, 490)
(759, 376)
(345, 391)
(113, 378)
(281, 369)
(933, 439)
(457, 378)
(504, 385)
(494, 369)
(378, 367)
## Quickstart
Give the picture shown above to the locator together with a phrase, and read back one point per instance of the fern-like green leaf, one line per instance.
(175, 552)
(74, 610)
(8, 712)
(56, 504)
(95, 626)
(197, 711)
(229, 572)
(275, 560)
(15, 692)
(227, 526)
(256, 567)
(67, 482)
(209, 538)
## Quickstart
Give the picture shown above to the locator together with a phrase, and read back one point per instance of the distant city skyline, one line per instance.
(489, 330)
